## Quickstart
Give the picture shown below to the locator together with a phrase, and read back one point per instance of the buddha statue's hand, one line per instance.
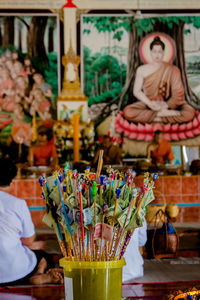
(168, 113)
(163, 105)
(157, 105)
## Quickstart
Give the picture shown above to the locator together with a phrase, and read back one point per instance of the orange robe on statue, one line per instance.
(163, 85)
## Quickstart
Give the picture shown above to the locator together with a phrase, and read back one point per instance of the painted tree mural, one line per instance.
(104, 77)
(104, 74)
(174, 26)
(35, 38)
(8, 36)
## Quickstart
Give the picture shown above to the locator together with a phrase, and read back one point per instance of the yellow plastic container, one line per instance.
(86, 280)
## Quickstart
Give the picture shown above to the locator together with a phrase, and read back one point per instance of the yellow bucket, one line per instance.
(101, 280)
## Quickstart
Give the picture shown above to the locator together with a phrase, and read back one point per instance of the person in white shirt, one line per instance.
(134, 260)
(18, 263)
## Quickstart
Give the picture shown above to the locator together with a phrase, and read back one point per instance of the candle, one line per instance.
(75, 120)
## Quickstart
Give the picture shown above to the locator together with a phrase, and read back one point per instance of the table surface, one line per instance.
(133, 291)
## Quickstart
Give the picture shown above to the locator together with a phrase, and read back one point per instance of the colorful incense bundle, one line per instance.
(95, 216)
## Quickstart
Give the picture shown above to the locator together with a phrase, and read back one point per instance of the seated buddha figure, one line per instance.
(159, 91)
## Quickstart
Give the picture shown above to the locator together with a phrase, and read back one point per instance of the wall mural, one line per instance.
(144, 71)
(29, 70)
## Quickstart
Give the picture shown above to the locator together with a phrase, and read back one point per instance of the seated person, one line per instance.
(43, 153)
(195, 167)
(133, 257)
(112, 154)
(11, 150)
(160, 150)
(18, 263)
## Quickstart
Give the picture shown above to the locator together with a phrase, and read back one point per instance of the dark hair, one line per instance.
(45, 130)
(27, 57)
(106, 137)
(8, 171)
(157, 132)
(157, 42)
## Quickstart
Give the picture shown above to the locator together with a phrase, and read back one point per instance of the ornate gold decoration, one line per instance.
(183, 294)
(80, 12)
(71, 90)
(58, 11)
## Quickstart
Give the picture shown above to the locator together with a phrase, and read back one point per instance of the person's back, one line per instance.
(112, 155)
(22, 260)
(16, 260)
(134, 260)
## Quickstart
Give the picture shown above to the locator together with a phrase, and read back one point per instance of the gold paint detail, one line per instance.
(59, 12)
(71, 90)
(80, 12)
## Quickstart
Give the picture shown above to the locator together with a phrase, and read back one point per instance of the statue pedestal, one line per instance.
(70, 104)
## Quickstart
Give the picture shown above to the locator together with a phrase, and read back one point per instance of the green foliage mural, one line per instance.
(104, 77)
(105, 70)
(51, 75)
